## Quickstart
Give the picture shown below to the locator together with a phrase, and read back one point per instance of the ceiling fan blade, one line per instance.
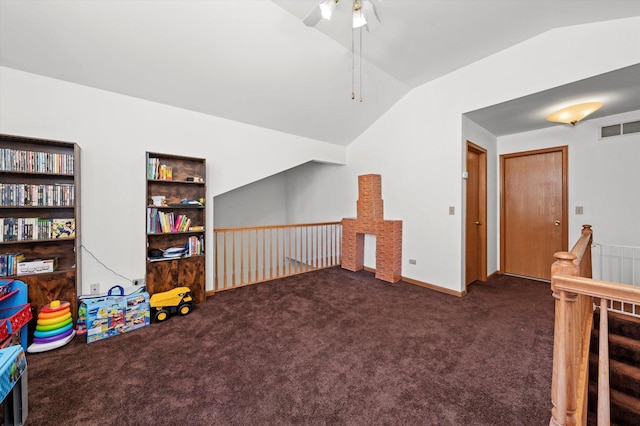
(313, 17)
(375, 9)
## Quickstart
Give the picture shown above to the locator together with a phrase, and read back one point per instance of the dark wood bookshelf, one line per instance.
(63, 283)
(187, 271)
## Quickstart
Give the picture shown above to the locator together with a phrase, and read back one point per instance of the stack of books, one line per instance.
(158, 171)
(34, 228)
(165, 222)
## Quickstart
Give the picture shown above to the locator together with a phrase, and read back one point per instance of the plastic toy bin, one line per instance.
(15, 312)
(16, 317)
(5, 287)
(12, 365)
(4, 330)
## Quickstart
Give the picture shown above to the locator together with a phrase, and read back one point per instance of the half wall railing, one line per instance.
(575, 292)
(619, 264)
(252, 255)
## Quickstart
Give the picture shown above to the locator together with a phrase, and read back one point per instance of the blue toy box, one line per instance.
(105, 316)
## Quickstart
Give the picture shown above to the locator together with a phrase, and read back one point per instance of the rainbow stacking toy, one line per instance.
(54, 327)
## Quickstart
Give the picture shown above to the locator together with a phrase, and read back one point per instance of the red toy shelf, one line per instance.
(15, 312)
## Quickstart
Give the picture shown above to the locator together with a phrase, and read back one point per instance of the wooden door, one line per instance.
(533, 211)
(476, 213)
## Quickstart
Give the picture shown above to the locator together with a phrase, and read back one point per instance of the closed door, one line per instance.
(475, 219)
(533, 211)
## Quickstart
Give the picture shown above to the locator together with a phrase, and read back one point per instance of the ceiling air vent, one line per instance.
(631, 127)
(608, 131)
(619, 129)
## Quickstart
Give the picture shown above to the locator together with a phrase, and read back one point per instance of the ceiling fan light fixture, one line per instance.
(359, 18)
(327, 7)
(574, 113)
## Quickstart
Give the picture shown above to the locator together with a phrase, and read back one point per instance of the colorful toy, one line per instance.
(177, 300)
(54, 327)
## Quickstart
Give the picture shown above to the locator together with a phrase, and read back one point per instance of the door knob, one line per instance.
(556, 223)
(477, 223)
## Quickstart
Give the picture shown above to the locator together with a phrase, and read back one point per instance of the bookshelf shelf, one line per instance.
(37, 207)
(58, 176)
(151, 234)
(42, 241)
(175, 207)
(39, 194)
(167, 224)
(183, 182)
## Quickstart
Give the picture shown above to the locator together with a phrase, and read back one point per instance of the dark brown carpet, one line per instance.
(327, 347)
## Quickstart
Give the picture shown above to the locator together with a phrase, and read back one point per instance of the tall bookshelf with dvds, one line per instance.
(40, 218)
(175, 220)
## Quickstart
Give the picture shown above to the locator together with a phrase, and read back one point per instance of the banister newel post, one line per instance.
(563, 383)
(585, 264)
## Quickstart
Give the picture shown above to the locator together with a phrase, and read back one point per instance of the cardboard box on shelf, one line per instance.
(37, 266)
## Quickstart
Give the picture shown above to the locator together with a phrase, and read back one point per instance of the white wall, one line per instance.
(603, 175)
(114, 132)
(259, 203)
(418, 145)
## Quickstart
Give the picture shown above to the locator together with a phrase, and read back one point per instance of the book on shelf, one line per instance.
(193, 247)
(196, 246)
(20, 160)
(33, 228)
(63, 228)
(157, 171)
(159, 221)
(37, 195)
(9, 263)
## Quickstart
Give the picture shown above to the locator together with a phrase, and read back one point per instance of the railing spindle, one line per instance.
(224, 235)
(216, 275)
(296, 267)
(242, 256)
(603, 366)
(317, 254)
(249, 255)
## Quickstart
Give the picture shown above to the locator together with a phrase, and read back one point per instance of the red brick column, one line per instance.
(352, 246)
(370, 220)
(389, 250)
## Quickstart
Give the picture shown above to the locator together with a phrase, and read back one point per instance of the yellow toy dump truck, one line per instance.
(177, 300)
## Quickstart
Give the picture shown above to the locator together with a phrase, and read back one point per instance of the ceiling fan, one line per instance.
(363, 12)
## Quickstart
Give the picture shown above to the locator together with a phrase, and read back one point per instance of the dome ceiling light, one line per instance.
(574, 113)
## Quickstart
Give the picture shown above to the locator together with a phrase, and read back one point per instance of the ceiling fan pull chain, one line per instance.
(360, 64)
(353, 67)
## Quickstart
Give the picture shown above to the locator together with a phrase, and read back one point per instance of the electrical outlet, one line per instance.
(138, 281)
(94, 288)
(412, 261)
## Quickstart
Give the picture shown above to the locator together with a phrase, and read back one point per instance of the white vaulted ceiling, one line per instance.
(256, 62)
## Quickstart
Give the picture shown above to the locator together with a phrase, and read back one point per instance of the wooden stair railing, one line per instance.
(574, 292)
(256, 254)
